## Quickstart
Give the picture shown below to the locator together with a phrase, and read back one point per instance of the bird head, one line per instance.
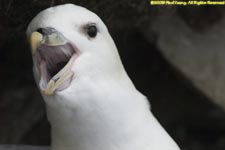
(69, 42)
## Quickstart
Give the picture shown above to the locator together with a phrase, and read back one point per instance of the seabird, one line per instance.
(91, 102)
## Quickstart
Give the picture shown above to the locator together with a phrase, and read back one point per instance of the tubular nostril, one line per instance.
(46, 31)
(41, 30)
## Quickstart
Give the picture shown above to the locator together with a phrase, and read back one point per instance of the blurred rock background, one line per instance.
(174, 55)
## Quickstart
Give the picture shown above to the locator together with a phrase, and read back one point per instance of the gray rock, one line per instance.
(200, 56)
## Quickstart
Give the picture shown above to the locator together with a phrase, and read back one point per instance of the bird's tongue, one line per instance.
(55, 63)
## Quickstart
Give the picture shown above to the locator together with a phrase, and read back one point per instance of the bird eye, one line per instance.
(92, 31)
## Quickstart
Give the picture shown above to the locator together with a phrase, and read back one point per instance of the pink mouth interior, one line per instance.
(52, 59)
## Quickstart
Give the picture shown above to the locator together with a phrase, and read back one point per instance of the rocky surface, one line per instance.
(200, 56)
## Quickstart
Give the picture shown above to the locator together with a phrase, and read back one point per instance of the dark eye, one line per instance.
(92, 31)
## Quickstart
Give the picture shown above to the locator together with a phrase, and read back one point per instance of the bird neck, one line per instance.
(88, 127)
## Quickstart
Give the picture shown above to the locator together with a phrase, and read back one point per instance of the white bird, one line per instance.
(91, 102)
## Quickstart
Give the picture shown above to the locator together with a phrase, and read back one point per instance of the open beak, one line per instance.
(53, 58)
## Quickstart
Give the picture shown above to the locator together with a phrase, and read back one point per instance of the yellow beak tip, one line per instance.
(35, 39)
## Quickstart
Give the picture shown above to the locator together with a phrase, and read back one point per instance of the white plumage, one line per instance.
(98, 107)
